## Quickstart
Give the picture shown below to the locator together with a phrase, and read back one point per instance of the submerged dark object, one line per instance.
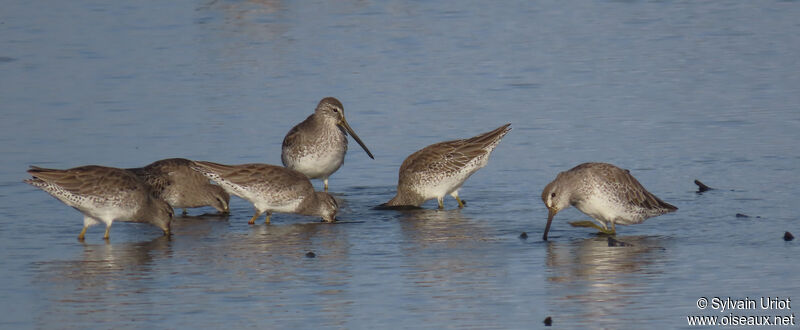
(614, 242)
(741, 215)
(524, 235)
(787, 236)
(701, 187)
(548, 321)
(311, 254)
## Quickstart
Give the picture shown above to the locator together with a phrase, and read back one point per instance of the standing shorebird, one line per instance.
(440, 169)
(103, 194)
(316, 146)
(182, 187)
(604, 192)
(271, 189)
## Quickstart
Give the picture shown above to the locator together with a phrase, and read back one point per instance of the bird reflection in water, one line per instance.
(106, 280)
(601, 281)
(448, 264)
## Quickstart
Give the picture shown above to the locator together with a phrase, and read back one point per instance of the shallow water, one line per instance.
(672, 91)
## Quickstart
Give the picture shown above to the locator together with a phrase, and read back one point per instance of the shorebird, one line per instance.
(440, 169)
(176, 183)
(316, 146)
(271, 189)
(103, 195)
(607, 193)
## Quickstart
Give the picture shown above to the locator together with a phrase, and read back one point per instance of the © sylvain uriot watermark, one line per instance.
(757, 311)
(728, 303)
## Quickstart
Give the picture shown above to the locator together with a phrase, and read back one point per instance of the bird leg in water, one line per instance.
(325, 182)
(455, 195)
(253, 219)
(269, 214)
(83, 233)
(591, 224)
(441, 202)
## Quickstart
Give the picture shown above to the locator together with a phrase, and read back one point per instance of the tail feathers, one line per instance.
(206, 167)
(660, 206)
(36, 182)
(490, 137)
(36, 169)
(669, 207)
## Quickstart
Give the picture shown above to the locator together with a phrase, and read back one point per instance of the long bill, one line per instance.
(355, 137)
(550, 214)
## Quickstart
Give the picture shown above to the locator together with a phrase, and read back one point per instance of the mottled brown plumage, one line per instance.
(271, 189)
(316, 146)
(440, 169)
(103, 194)
(174, 181)
(605, 192)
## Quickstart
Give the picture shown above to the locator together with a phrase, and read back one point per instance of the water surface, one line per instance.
(673, 91)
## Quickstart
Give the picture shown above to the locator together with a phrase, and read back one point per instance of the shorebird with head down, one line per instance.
(176, 183)
(271, 189)
(607, 193)
(441, 169)
(104, 195)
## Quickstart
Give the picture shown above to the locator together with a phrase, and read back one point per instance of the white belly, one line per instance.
(318, 165)
(441, 187)
(600, 209)
(281, 207)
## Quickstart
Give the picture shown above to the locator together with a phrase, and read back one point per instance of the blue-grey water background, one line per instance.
(672, 90)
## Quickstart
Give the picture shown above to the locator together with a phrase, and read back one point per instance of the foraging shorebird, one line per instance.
(440, 169)
(182, 187)
(103, 195)
(607, 193)
(271, 189)
(316, 146)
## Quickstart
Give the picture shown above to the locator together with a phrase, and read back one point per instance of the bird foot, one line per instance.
(592, 224)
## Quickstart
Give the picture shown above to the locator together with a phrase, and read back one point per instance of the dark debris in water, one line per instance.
(548, 321)
(742, 215)
(311, 254)
(787, 236)
(614, 242)
(701, 187)
(524, 235)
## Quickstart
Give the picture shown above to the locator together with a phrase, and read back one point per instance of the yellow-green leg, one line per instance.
(325, 182)
(253, 219)
(83, 233)
(460, 203)
(592, 224)
(269, 214)
(441, 202)
(108, 228)
(87, 222)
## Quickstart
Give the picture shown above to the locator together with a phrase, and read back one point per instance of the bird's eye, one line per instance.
(335, 110)
(552, 195)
